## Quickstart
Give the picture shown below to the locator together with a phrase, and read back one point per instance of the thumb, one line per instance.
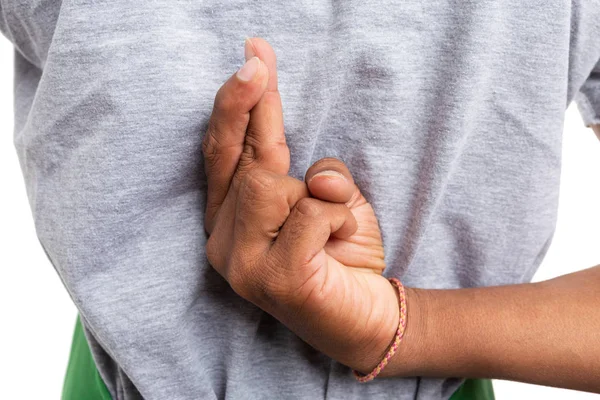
(330, 180)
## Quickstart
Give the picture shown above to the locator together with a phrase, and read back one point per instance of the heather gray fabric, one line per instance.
(449, 114)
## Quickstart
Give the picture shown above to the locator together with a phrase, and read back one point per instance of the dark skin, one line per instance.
(310, 253)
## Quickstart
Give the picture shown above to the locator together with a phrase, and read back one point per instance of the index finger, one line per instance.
(224, 140)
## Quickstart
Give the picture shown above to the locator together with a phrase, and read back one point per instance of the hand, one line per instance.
(246, 132)
(315, 265)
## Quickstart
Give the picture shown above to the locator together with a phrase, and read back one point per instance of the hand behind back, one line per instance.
(309, 253)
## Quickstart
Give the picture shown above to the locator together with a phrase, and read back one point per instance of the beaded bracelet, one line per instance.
(397, 339)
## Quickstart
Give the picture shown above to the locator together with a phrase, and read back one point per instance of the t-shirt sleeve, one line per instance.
(588, 98)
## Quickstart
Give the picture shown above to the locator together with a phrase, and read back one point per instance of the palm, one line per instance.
(344, 292)
(343, 296)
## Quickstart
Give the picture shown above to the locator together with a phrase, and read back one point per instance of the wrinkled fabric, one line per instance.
(448, 113)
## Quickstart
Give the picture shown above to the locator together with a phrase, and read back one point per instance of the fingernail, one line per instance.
(247, 72)
(249, 49)
(329, 173)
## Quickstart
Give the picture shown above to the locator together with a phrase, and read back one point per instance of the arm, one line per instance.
(286, 259)
(543, 333)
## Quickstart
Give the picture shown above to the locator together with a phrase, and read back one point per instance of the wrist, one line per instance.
(379, 343)
(411, 356)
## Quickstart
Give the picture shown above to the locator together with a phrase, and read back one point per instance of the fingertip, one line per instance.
(329, 166)
(330, 186)
(250, 70)
(331, 174)
(329, 179)
(263, 76)
(260, 48)
(249, 50)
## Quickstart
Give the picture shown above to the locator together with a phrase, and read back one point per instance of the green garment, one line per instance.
(475, 389)
(83, 381)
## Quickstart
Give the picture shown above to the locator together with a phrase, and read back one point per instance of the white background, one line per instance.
(37, 316)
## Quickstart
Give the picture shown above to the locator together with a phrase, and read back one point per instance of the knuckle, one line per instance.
(299, 227)
(262, 142)
(236, 272)
(246, 283)
(212, 149)
(212, 158)
(215, 146)
(257, 185)
(240, 283)
(309, 208)
(272, 99)
(255, 132)
(225, 101)
(248, 156)
(210, 143)
(212, 251)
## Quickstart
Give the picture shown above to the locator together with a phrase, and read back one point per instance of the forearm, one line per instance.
(544, 333)
(596, 129)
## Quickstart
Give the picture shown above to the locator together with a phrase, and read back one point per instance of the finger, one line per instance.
(263, 204)
(329, 179)
(265, 144)
(259, 47)
(308, 228)
(224, 140)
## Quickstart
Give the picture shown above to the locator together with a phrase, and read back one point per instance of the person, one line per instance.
(448, 120)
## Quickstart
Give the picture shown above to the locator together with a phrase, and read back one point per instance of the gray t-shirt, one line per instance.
(448, 113)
